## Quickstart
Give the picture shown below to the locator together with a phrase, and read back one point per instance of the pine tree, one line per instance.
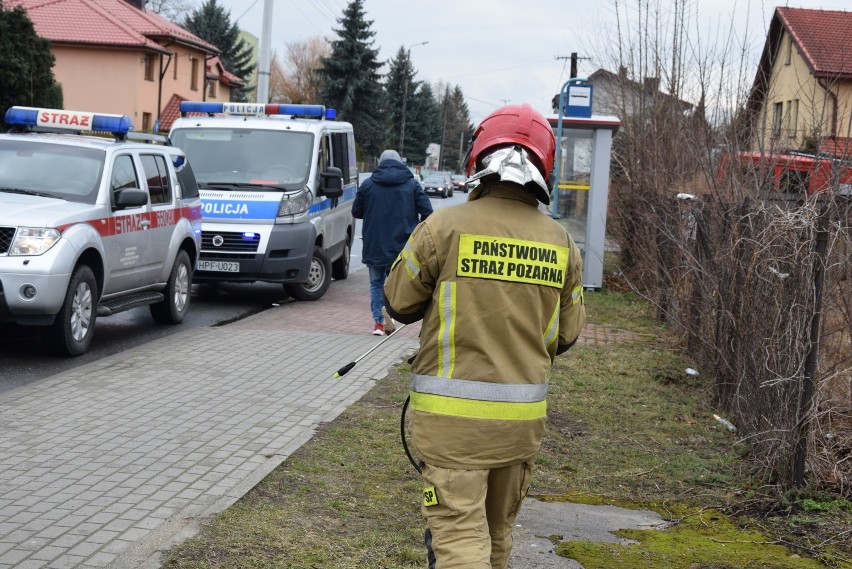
(422, 125)
(213, 24)
(352, 80)
(456, 129)
(398, 87)
(26, 67)
(459, 130)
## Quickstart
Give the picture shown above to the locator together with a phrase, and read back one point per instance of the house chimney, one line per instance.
(140, 4)
(622, 72)
(652, 84)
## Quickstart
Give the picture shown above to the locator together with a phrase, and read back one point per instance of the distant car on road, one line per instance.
(440, 184)
(460, 182)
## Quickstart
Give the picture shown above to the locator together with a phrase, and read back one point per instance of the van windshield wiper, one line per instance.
(240, 185)
(27, 192)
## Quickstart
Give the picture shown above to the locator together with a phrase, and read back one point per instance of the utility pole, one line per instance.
(574, 60)
(443, 129)
(264, 59)
(461, 149)
(405, 96)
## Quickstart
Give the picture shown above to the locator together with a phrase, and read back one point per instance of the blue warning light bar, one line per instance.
(257, 109)
(68, 120)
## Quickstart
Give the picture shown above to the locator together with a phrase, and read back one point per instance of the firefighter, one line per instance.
(497, 284)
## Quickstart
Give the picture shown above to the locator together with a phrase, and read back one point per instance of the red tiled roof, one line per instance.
(171, 112)
(824, 38)
(104, 22)
(225, 77)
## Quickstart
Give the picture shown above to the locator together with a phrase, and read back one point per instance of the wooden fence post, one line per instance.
(806, 400)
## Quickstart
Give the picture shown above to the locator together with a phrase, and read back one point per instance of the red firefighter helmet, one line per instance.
(511, 125)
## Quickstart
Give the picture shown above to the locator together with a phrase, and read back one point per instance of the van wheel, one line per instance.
(340, 267)
(71, 332)
(319, 277)
(173, 308)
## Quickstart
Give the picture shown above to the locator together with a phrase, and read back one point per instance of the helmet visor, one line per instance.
(513, 164)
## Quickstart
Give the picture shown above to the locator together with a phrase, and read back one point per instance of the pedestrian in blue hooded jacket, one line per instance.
(391, 202)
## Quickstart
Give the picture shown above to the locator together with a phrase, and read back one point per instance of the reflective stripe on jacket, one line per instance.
(498, 285)
(478, 399)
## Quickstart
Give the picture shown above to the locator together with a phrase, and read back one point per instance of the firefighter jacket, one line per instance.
(498, 286)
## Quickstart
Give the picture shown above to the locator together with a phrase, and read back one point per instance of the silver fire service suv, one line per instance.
(91, 226)
(277, 184)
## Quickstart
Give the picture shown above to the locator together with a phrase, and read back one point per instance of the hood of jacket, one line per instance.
(391, 173)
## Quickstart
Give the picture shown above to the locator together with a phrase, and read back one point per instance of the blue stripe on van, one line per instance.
(248, 210)
(348, 195)
(238, 209)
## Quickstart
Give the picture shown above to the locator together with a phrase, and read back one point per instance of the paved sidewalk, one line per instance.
(102, 465)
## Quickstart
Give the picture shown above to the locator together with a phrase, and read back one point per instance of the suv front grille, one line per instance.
(6, 236)
(231, 242)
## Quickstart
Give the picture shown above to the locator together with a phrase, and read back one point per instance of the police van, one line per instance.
(277, 184)
(90, 225)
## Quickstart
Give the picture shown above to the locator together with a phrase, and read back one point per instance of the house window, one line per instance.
(789, 58)
(211, 91)
(149, 67)
(194, 80)
(146, 121)
(777, 118)
(793, 112)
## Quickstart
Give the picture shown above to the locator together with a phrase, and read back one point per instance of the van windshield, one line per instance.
(247, 156)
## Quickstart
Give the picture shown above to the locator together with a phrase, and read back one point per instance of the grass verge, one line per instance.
(626, 426)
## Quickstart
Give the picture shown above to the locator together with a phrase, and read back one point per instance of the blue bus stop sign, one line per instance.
(578, 102)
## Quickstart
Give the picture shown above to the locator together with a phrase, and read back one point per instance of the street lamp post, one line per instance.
(405, 98)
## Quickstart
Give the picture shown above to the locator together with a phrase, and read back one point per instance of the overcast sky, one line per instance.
(506, 51)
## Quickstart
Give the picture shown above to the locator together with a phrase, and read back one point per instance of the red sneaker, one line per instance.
(379, 330)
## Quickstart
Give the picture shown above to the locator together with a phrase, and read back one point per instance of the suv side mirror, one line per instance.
(130, 197)
(331, 182)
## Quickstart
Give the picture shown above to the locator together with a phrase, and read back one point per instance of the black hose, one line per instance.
(402, 434)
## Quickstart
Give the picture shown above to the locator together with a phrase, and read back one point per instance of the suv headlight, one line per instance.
(295, 203)
(34, 240)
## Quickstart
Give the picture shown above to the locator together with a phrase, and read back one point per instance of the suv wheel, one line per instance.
(173, 308)
(71, 332)
(319, 277)
(340, 268)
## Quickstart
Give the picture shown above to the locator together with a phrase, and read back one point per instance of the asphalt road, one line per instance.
(23, 358)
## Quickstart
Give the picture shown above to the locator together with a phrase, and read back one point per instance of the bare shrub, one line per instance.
(757, 286)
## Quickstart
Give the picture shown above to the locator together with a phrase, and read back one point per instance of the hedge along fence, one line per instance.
(761, 292)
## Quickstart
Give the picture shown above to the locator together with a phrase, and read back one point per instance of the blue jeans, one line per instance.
(377, 285)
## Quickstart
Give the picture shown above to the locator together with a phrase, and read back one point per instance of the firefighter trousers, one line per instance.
(470, 514)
